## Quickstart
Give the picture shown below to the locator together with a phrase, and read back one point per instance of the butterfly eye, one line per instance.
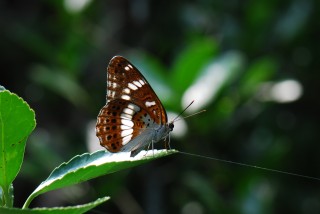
(171, 126)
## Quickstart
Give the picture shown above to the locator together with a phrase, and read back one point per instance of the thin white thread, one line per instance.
(252, 166)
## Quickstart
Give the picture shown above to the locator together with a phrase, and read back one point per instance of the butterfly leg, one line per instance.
(167, 143)
(147, 150)
(152, 147)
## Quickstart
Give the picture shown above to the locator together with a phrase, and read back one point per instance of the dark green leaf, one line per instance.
(56, 210)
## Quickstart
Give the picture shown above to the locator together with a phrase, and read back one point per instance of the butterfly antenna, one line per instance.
(175, 119)
(190, 115)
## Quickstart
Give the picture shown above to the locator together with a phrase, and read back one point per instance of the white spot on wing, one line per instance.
(137, 84)
(148, 104)
(127, 68)
(132, 86)
(127, 132)
(114, 85)
(126, 116)
(124, 127)
(141, 82)
(125, 97)
(126, 90)
(127, 122)
(128, 111)
(134, 107)
(126, 139)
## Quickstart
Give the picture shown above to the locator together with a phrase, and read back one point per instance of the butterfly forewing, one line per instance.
(126, 82)
(133, 113)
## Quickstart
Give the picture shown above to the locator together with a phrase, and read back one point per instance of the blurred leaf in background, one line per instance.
(251, 64)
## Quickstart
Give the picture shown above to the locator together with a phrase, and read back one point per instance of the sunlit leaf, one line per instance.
(87, 166)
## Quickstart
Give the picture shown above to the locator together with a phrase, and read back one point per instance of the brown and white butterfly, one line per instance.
(133, 116)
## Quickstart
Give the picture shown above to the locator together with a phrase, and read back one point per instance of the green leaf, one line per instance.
(191, 61)
(17, 120)
(59, 210)
(87, 166)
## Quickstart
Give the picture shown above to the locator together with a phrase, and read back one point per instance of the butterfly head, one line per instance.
(171, 126)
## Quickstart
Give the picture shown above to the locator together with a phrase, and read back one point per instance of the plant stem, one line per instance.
(8, 196)
(28, 201)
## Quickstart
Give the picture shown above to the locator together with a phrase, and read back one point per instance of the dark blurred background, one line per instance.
(253, 65)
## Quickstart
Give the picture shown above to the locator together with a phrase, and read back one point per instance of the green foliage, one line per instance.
(17, 121)
(55, 55)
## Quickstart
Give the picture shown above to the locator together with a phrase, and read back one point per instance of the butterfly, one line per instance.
(133, 116)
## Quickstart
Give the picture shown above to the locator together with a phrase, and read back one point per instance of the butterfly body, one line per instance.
(133, 116)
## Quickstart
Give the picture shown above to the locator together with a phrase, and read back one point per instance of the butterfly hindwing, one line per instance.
(116, 124)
